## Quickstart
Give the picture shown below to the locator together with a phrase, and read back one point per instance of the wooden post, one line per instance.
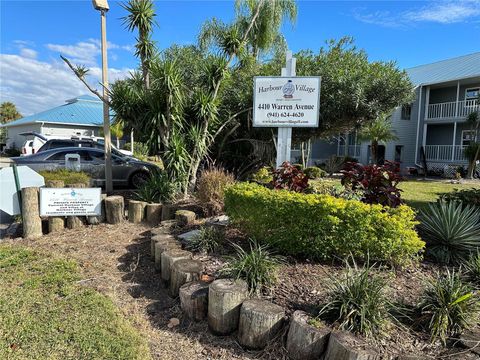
(194, 300)
(168, 212)
(225, 297)
(260, 321)
(304, 341)
(74, 222)
(55, 223)
(184, 271)
(168, 258)
(160, 247)
(95, 220)
(185, 217)
(157, 238)
(153, 213)
(341, 346)
(32, 223)
(114, 209)
(136, 211)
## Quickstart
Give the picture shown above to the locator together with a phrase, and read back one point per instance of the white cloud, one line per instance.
(35, 85)
(441, 12)
(28, 53)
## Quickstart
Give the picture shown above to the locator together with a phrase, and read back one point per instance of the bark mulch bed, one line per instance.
(115, 259)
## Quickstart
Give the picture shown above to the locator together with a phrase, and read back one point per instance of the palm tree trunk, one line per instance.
(374, 151)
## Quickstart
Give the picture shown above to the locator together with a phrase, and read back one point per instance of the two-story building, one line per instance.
(431, 130)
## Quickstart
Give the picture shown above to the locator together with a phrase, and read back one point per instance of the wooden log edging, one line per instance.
(55, 223)
(162, 246)
(153, 213)
(32, 223)
(182, 272)
(168, 258)
(136, 211)
(114, 209)
(194, 300)
(74, 222)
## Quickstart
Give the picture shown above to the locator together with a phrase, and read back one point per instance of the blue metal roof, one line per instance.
(461, 67)
(84, 110)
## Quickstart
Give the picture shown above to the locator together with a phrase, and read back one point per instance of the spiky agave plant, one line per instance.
(472, 268)
(451, 231)
(448, 305)
(357, 300)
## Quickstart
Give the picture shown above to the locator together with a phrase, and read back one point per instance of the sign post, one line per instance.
(285, 102)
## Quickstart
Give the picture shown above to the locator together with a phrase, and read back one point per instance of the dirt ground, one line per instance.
(115, 259)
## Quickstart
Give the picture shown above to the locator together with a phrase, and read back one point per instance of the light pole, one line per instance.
(102, 6)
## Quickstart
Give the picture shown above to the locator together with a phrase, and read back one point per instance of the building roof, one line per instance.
(461, 67)
(84, 110)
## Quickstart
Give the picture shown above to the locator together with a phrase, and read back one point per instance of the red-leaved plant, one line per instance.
(378, 182)
(290, 177)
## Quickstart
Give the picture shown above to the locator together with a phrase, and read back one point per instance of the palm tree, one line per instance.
(141, 17)
(379, 130)
(8, 112)
(117, 131)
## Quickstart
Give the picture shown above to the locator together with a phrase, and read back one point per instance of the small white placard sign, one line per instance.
(281, 101)
(70, 202)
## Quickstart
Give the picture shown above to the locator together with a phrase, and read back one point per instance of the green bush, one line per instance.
(157, 189)
(314, 172)
(357, 301)
(451, 231)
(466, 196)
(207, 240)
(258, 267)
(67, 176)
(448, 306)
(321, 226)
(264, 175)
(140, 150)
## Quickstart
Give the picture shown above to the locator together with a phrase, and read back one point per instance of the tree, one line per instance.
(8, 112)
(141, 17)
(117, 131)
(379, 130)
(472, 152)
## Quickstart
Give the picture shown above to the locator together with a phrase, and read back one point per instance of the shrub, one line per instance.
(12, 152)
(207, 240)
(258, 267)
(450, 230)
(67, 176)
(334, 164)
(157, 189)
(332, 188)
(211, 187)
(314, 172)
(466, 196)
(448, 306)
(321, 226)
(378, 183)
(289, 177)
(357, 301)
(263, 175)
(140, 150)
(472, 267)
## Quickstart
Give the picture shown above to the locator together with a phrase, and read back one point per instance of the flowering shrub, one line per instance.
(322, 226)
(378, 182)
(290, 177)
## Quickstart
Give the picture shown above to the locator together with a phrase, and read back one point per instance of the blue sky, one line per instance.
(34, 33)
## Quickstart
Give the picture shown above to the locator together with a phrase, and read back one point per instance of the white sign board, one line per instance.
(9, 201)
(70, 202)
(281, 101)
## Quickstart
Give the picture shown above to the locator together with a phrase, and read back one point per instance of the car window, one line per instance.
(87, 144)
(60, 143)
(84, 155)
(58, 155)
(97, 155)
(30, 144)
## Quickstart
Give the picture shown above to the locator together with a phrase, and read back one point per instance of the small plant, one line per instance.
(207, 240)
(314, 172)
(466, 196)
(157, 189)
(263, 175)
(334, 164)
(258, 267)
(472, 268)
(450, 230)
(67, 176)
(378, 183)
(211, 188)
(289, 177)
(357, 301)
(448, 306)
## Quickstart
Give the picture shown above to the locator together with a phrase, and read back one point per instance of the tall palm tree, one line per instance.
(8, 112)
(117, 131)
(378, 131)
(141, 17)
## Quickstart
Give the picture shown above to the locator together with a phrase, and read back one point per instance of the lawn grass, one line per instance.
(47, 314)
(418, 193)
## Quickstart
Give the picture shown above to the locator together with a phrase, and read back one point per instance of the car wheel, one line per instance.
(138, 179)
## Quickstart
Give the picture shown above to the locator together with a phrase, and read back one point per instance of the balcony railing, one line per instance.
(352, 151)
(451, 109)
(445, 153)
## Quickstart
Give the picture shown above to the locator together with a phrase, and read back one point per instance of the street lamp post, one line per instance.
(102, 6)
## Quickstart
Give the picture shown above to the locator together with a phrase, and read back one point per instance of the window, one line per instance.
(59, 156)
(60, 143)
(398, 153)
(468, 136)
(472, 93)
(406, 112)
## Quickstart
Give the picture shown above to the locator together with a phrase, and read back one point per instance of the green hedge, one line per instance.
(68, 176)
(322, 226)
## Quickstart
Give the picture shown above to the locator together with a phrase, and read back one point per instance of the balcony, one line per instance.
(445, 153)
(451, 110)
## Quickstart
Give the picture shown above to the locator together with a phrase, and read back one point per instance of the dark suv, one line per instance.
(84, 143)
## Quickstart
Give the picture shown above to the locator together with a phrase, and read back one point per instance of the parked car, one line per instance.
(81, 142)
(126, 170)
